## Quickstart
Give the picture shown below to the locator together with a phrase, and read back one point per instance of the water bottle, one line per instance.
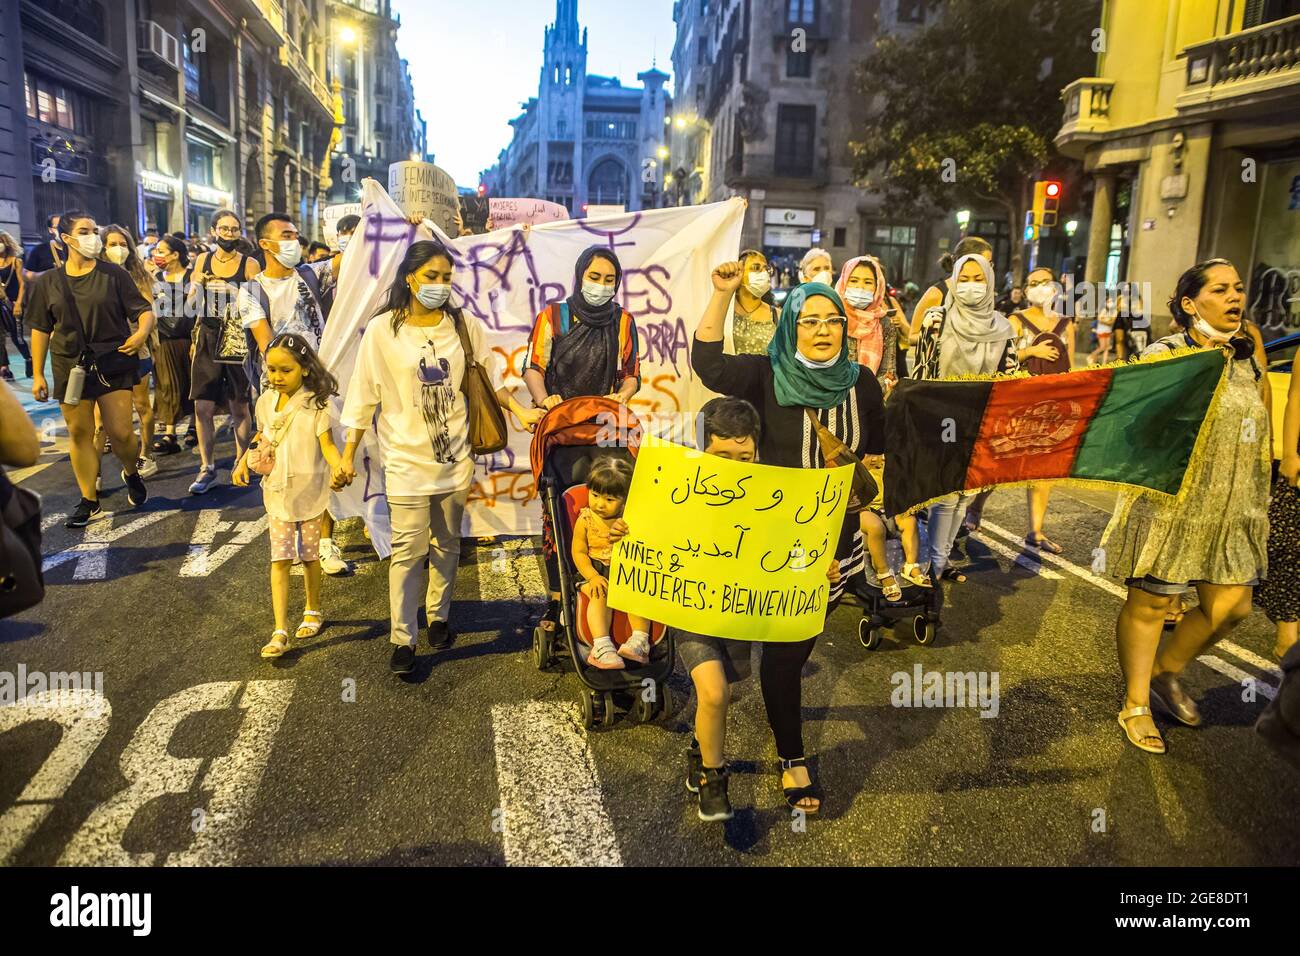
(76, 382)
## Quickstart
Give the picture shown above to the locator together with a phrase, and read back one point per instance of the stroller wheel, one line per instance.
(643, 710)
(868, 636)
(607, 719)
(588, 704)
(541, 648)
(665, 701)
(923, 630)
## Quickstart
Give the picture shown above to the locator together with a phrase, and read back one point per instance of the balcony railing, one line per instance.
(265, 19)
(291, 57)
(1087, 111)
(756, 169)
(1261, 61)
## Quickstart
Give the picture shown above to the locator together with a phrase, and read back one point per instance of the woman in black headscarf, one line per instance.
(584, 345)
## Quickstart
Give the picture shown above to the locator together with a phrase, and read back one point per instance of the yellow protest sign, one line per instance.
(728, 549)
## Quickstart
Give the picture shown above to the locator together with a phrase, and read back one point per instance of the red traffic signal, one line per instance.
(1053, 189)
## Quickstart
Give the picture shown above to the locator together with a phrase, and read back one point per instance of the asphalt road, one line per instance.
(203, 753)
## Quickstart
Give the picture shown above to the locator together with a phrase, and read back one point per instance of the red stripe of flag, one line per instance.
(1032, 427)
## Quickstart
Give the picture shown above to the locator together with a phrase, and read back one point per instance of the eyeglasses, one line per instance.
(227, 231)
(816, 325)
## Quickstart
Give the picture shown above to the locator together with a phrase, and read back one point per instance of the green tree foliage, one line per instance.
(965, 109)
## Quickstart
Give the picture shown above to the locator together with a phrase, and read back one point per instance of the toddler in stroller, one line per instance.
(607, 486)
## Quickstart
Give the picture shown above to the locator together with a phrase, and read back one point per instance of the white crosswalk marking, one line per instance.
(1236, 673)
(98, 537)
(1017, 557)
(551, 807)
(201, 559)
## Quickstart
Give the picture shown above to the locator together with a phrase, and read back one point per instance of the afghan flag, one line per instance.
(1134, 425)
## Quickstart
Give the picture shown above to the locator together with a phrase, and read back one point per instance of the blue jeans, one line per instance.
(942, 524)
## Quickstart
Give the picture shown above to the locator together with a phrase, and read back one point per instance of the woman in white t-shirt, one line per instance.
(294, 439)
(410, 368)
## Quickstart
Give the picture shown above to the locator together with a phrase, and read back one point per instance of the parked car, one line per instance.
(1281, 356)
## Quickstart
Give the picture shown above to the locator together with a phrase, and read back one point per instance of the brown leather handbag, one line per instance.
(863, 489)
(488, 431)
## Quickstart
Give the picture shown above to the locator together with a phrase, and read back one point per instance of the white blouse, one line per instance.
(413, 377)
(298, 488)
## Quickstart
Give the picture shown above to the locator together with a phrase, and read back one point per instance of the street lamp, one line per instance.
(662, 152)
(681, 122)
(348, 35)
(963, 218)
(1072, 227)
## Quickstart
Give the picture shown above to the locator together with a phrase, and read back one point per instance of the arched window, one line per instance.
(607, 184)
(568, 74)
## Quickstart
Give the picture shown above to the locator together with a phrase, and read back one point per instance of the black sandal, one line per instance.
(165, 445)
(794, 794)
(952, 574)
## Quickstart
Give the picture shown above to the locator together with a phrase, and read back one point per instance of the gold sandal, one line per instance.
(278, 644)
(1139, 711)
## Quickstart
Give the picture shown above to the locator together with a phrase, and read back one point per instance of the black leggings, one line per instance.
(781, 674)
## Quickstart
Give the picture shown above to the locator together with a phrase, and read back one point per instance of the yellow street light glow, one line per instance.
(681, 123)
(348, 35)
(663, 152)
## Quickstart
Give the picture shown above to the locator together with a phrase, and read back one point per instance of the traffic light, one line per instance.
(1047, 202)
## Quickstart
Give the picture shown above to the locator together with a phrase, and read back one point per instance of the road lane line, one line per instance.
(552, 813)
(49, 521)
(1239, 675)
(1017, 557)
(101, 541)
(1236, 650)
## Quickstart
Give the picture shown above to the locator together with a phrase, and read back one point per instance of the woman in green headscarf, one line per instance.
(807, 368)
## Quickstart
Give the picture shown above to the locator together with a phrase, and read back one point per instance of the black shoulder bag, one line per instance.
(21, 582)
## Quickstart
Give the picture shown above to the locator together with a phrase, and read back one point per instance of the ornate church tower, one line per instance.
(560, 103)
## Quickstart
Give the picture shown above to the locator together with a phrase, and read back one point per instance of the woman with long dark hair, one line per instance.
(1213, 536)
(171, 282)
(12, 287)
(584, 345)
(119, 249)
(410, 368)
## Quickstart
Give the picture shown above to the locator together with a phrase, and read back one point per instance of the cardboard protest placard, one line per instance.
(728, 549)
(330, 216)
(424, 190)
(508, 212)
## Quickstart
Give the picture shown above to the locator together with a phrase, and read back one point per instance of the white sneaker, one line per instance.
(331, 560)
(147, 467)
(207, 477)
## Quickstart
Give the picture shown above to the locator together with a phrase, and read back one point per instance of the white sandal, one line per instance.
(278, 644)
(311, 627)
(914, 575)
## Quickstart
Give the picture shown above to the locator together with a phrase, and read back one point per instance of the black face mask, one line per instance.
(227, 245)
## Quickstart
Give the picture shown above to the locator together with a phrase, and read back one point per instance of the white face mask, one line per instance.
(970, 293)
(758, 284)
(596, 293)
(1040, 295)
(89, 246)
(824, 277)
(859, 298)
(343, 242)
(290, 253)
(117, 255)
(1210, 332)
(433, 295)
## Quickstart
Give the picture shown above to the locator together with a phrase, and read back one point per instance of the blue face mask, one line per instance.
(597, 293)
(433, 295)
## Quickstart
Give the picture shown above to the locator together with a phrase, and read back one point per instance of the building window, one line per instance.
(56, 105)
(911, 11)
(895, 246)
(795, 139)
(839, 235)
(801, 13)
(607, 184)
(204, 166)
(85, 16)
(798, 64)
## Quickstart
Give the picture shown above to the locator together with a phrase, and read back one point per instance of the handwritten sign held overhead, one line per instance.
(424, 190)
(507, 212)
(728, 549)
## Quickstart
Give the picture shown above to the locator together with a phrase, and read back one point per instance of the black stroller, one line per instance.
(566, 441)
(918, 607)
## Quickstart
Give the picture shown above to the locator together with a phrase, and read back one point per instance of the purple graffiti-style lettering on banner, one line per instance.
(499, 261)
(664, 341)
(646, 282)
(383, 231)
(608, 235)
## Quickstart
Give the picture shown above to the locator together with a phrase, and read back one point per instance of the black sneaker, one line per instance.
(136, 492)
(5, 374)
(403, 659)
(83, 513)
(694, 767)
(714, 805)
(440, 635)
(191, 438)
